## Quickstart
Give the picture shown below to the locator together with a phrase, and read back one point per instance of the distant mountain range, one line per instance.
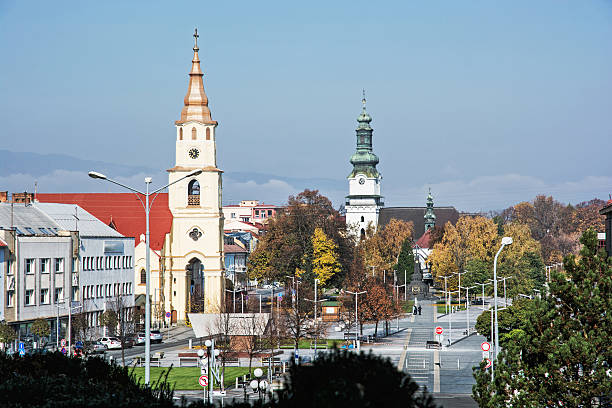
(19, 171)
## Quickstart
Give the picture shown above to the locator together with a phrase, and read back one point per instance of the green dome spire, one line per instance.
(364, 161)
(430, 217)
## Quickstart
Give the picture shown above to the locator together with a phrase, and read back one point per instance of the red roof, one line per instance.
(2, 243)
(123, 210)
(233, 248)
(425, 239)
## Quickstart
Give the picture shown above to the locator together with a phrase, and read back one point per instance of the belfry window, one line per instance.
(193, 191)
(362, 219)
(207, 133)
(181, 134)
(363, 234)
(193, 133)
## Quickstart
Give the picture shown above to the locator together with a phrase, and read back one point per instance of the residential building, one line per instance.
(607, 211)
(250, 211)
(235, 262)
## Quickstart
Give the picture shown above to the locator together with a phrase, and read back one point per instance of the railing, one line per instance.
(193, 199)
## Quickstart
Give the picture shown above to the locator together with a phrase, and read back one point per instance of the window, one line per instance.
(193, 191)
(29, 297)
(59, 295)
(75, 293)
(269, 213)
(30, 230)
(233, 215)
(45, 265)
(59, 265)
(180, 133)
(256, 213)
(29, 266)
(143, 276)
(44, 296)
(193, 133)
(10, 298)
(362, 219)
(207, 133)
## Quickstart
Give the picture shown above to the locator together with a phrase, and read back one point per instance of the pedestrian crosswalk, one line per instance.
(419, 365)
(420, 336)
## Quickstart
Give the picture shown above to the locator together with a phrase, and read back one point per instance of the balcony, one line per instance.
(193, 200)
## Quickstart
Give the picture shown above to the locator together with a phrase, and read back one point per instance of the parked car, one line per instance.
(110, 342)
(156, 336)
(95, 347)
(477, 301)
(128, 342)
(139, 339)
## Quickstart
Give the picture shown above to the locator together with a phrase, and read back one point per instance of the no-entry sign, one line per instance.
(438, 330)
(203, 380)
(488, 363)
(485, 346)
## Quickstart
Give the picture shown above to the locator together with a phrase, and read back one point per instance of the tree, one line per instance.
(7, 334)
(346, 379)
(40, 327)
(560, 354)
(377, 304)
(252, 327)
(287, 245)
(382, 248)
(405, 260)
(324, 258)
(118, 320)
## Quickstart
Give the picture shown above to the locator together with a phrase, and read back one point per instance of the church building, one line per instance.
(364, 201)
(186, 233)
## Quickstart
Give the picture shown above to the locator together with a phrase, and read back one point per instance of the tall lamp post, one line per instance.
(467, 305)
(147, 207)
(505, 241)
(356, 321)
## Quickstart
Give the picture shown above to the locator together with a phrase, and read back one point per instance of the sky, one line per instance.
(488, 103)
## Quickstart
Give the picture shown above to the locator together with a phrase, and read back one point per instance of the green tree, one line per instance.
(110, 320)
(7, 334)
(560, 354)
(405, 260)
(40, 327)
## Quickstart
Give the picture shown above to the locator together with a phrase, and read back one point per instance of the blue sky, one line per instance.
(489, 103)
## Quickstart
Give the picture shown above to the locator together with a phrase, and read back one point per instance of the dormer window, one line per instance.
(193, 191)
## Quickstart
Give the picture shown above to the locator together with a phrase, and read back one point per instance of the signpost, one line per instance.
(168, 316)
(485, 346)
(439, 336)
(203, 380)
(488, 363)
(21, 348)
(63, 343)
(439, 330)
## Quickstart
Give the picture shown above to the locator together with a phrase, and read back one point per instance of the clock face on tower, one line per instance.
(194, 153)
(361, 180)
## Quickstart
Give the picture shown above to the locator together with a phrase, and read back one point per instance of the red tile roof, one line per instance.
(123, 210)
(2, 243)
(425, 240)
(233, 248)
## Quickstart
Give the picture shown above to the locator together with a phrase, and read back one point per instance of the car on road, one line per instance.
(95, 348)
(477, 302)
(156, 336)
(139, 339)
(111, 343)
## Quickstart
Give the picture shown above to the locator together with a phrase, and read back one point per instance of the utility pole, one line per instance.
(467, 306)
(356, 320)
(446, 293)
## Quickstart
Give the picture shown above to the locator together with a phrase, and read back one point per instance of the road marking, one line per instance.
(436, 386)
(435, 312)
(400, 364)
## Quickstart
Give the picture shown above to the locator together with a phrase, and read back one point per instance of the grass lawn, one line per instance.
(308, 343)
(407, 306)
(186, 378)
(442, 307)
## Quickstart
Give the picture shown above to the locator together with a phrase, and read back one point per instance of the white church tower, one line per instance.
(364, 200)
(195, 268)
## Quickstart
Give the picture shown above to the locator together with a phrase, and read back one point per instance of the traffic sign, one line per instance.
(63, 350)
(489, 363)
(485, 355)
(203, 380)
(485, 346)
(438, 330)
(63, 342)
(168, 314)
(21, 345)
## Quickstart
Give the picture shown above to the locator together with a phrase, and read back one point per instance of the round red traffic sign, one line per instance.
(489, 364)
(203, 380)
(485, 346)
(438, 330)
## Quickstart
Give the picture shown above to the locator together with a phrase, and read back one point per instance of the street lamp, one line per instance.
(258, 385)
(315, 314)
(467, 305)
(147, 208)
(505, 241)
(356, 321)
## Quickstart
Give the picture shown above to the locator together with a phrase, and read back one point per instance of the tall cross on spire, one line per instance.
(363, 99)
(195, 35)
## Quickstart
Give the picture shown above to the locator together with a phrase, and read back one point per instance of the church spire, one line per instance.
(364, 161)
(196, 101)
(430, 217)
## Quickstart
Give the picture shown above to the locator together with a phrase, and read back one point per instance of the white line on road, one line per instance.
(436, 386)
(400, 364)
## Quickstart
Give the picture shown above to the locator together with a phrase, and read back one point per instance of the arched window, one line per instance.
(362, 219)
(193, 133)
(363, 234)
(181, 134)
(207, 133)
(143, 276)
(193, 193)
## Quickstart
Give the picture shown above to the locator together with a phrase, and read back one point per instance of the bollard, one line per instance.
(423, 363)
(236, 382)
(190, 344)
(457, 364)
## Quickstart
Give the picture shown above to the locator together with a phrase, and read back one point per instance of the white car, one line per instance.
(111, 343)
(156, 336)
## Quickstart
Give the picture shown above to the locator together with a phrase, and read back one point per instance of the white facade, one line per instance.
(363, 204)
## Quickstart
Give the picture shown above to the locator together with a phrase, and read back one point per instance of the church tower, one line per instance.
(364, 200)
(195, 268)
(430, 217)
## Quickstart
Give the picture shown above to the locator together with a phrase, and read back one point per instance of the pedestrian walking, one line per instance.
(414, 310)
(419, 310)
